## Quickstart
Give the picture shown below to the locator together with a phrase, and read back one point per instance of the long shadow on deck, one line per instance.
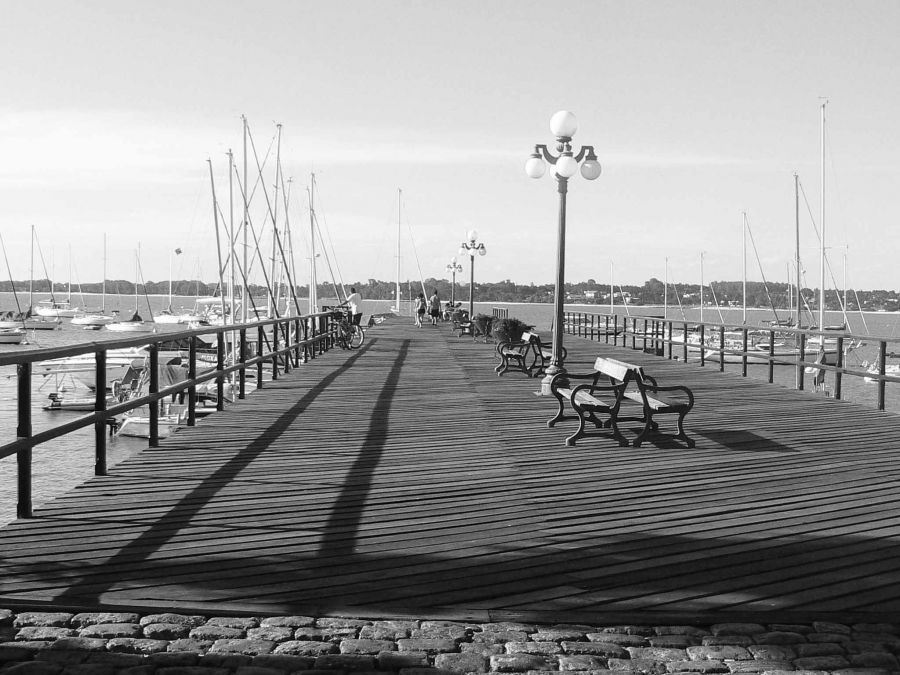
(154, 537)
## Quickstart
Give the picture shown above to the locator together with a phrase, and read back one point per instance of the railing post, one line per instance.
(771, 356)
(801, 357)
(192, 373)
(668, 324)
(154, 389)
(882, 369)
(644, 343)
(100, 406)
(274, 352)
(285, 329)
(744, 351)
(220, 366)
(702, 344)
(242, 377)
(634, 333)
(296, 343)
(606, 329)
(721, 349)
(23, 430)
(259, 351)
(840, 367)
(684, 343)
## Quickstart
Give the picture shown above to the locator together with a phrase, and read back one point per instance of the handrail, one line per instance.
(656, 334)
(292, 340)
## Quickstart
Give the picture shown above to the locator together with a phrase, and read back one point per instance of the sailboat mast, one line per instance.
(231, 260)
(313, 289)
(245, 299)
(612, 294)
(797, 244)
(701, 286)
(822, 221)
(399, 212)
(666, 292)
(31, 281)
(744, 250)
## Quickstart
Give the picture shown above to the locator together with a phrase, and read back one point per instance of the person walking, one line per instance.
(421, 306)
(435, 307)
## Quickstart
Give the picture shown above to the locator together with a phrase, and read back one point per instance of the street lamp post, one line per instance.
(453, 267)
(472, 247)
(563, 125)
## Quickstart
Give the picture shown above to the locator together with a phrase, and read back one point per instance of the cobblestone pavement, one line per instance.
(57, 643)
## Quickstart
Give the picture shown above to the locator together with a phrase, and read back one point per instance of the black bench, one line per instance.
(529, 355)
(629, 387)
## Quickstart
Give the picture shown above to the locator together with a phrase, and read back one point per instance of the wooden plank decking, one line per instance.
(408, 479)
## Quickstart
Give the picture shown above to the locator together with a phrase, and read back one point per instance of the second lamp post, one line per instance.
(453, 267)
(472, 247)
(563, 125)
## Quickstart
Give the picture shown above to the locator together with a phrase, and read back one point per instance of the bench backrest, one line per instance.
(618, 370)
(528, 336)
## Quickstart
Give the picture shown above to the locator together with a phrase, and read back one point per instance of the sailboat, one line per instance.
(96, 319)
(135, 324)
(30, 320)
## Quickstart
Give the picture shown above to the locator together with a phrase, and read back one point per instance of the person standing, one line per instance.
(434, 304)
(421, 306)
(354, 302)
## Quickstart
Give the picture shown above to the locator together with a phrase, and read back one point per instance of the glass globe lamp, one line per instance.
(563, 124)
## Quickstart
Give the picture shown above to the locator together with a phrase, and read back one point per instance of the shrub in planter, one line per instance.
(510, 330)
(482, 324)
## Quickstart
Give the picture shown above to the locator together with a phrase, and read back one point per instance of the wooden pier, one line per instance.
(407, 479)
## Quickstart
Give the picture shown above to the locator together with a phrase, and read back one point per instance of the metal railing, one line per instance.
(500, 312)
(281, 344)
(705, 342)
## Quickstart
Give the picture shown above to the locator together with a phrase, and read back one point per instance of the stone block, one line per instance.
(107, 631)
(581, 662)
(874, 660)
(6, 617)
(737, 640)
(115, 660)
(831, 627)
(356, 646)
(461, 663)
(79, 644)
(394, 660)
(271, 633)
(637, 666)
(85, 619)
(34, 668)
(718, 653)
(427, 646)
(339, 622)
(675, 641)
(657, 653)
(136, 645)
(801, 628)
(227, 660)
(388, 630)
(681, 630)
(596, 649)
(46, 633)
(697, 666)
(819, 649)
(12, 653)
(530, 647)
(207, 632)
(876, 628)
(242, 646)
(292, 622)
(166, 631)
(174, 659)
(759, 665)
(838, 638)
(311, 648)
(496, 637)
(46, 619)
(190, 620)
(558, 635)
(622, 639)
(242, 622)
(335, 634)
(772, 652)
(442, 630)
(189, 645)
(507, 627)
(481, 648)
(521, 663)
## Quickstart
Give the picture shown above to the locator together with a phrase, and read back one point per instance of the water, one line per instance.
(64, 463)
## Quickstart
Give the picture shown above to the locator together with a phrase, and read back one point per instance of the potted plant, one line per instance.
(510, 330)
(482, 325)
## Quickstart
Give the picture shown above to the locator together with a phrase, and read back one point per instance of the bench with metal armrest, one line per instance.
(528, 355)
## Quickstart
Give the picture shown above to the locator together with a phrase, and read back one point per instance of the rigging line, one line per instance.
(716, 300)
(412, 242)
(9, 272)
(44, 266)
(334, 287)
(265, 161)
(329, 243)
(759, 264)
(262, 263)
(624, 302)
(140, 272)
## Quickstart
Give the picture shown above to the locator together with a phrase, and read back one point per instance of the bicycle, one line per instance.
(349, 334)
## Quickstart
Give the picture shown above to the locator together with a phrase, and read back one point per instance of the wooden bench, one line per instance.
(529, 355)
(628, 386)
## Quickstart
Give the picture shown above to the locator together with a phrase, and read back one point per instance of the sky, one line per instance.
(114, 111)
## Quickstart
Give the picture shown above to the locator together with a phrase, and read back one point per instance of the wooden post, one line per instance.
(242, 388)
(100, 406)
(684, 345)
(192, 373)
(882, 368)
(702, 344)
(801, 357)
(259, 364)
(220, 366)
(23, 430)
(154, 389)
(721, 349)
(771, 356)
(744, 351)
(840, 367)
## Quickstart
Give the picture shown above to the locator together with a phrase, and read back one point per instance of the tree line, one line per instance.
(651, 292)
